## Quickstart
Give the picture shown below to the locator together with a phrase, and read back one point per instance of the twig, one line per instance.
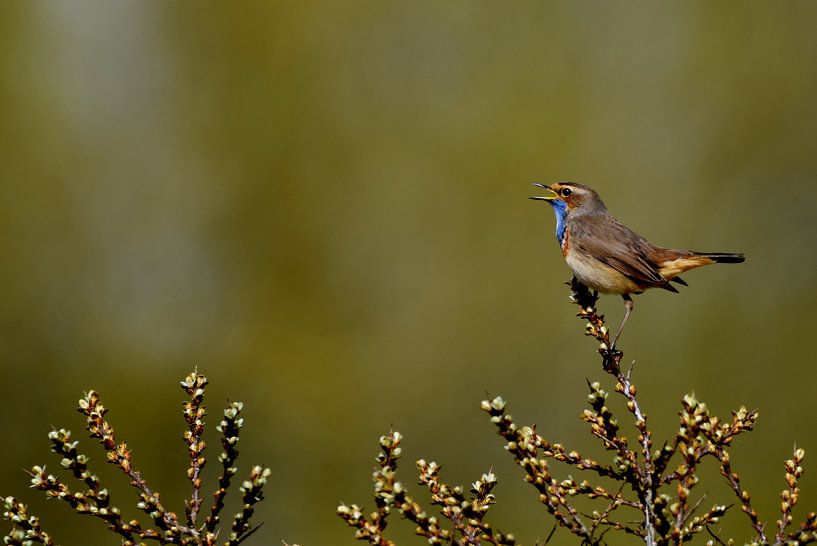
(120, 456)
(194, 413)
(611, 363)
(229, 427)
(95, 501)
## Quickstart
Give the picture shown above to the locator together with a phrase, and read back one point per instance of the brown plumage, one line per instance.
(609, 257)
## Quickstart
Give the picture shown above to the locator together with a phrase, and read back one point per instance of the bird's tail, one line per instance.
(723, 257)
(674, 262)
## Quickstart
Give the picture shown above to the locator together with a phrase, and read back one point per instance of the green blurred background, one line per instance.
(323, 206)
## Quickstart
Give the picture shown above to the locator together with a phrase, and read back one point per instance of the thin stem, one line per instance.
(611, 362)
(194, 413)
(629, 391)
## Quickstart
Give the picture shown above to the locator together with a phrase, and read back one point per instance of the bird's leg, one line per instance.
(628, 305)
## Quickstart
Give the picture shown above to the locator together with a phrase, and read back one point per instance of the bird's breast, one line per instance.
(565, 242)
(598, 275)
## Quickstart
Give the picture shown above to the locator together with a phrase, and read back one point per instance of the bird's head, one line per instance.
(569, 196)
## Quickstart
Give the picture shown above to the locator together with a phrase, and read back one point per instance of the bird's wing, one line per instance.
(614, 244)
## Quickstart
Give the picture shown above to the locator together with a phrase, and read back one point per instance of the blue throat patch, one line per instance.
(560, 209)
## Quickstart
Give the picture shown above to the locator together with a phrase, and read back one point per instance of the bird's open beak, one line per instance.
(546, 198)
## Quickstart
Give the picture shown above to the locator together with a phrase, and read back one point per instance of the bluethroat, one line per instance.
(607, 256)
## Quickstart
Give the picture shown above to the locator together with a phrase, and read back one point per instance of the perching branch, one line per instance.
(656, 497)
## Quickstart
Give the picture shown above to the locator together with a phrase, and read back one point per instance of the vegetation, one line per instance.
(166, 527)
(653, 493)
(640, 491)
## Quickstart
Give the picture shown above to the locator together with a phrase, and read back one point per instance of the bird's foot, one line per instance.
(611, 360)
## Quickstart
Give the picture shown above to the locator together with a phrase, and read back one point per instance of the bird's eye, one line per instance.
(566, 192)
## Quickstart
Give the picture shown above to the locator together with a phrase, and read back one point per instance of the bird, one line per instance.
(610, 258)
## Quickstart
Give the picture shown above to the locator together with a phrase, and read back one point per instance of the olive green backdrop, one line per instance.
(323, 206)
